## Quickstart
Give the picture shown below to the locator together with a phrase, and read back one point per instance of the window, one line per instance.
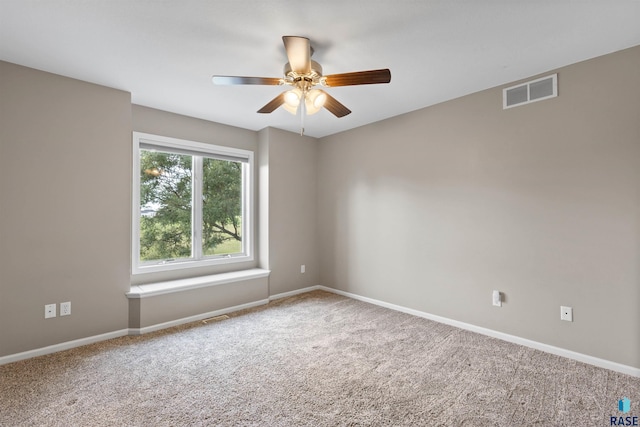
(191, 204)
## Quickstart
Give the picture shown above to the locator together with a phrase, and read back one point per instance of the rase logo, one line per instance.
(624, 406)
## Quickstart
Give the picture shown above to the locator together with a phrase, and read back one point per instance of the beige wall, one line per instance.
(289, 171)
(434, 209)
(65, 174)
(65, 192)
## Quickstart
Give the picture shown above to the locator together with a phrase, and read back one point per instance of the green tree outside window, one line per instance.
(166, 203)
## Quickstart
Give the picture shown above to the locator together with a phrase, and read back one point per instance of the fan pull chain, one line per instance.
(302, 114)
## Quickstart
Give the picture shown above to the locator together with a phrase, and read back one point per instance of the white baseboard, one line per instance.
(602, 363)
(123, 332)
(139, 331)
(202, 316)
(292, 293)
(62, 346)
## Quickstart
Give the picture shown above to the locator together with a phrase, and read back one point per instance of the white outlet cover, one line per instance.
(65, 308)
(49, 311)
(566, 313)
(496, 298)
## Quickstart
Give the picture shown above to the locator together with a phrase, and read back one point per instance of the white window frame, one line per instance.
(193, 148)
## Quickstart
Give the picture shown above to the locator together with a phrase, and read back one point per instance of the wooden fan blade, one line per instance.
(239, 80)
(299, 53)
(273, 104)
(335, 107)
(359, 78)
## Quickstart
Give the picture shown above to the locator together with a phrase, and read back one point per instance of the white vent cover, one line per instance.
(526, 93)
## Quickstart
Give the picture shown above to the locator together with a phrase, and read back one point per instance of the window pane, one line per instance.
(165, 206)
(221, 207)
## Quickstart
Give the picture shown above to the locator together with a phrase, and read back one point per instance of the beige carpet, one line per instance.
(317, 359)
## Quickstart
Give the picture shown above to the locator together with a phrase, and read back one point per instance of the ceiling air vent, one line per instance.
(526, 93)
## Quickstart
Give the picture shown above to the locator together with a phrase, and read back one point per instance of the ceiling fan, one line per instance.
(303, 74)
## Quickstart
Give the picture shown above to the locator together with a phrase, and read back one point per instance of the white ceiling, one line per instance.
(165, 52)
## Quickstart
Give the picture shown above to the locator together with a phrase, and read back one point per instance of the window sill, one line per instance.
(179, 265)
(172, 286)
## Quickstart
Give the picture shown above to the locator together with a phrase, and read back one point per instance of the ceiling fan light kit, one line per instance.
(292, 98)
(314, 101)
(303, 74)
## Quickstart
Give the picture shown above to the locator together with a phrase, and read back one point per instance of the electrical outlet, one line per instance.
(496, 297)
(65, 308)
(49, 311)
(566, 313)
(303, 268)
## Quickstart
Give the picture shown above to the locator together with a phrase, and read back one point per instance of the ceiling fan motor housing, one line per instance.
(313, 77)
